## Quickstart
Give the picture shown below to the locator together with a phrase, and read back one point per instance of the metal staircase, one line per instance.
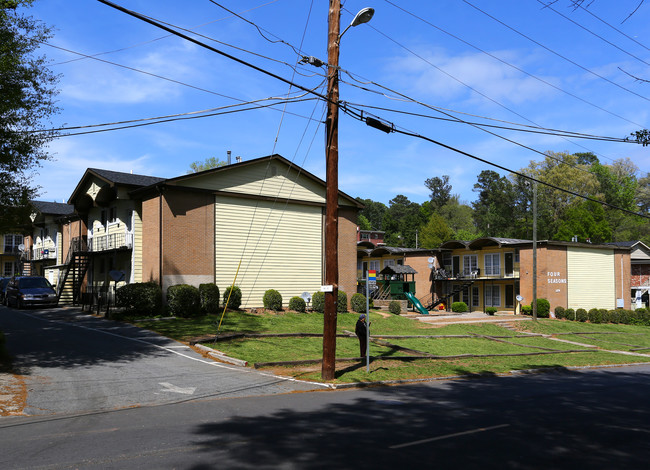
(72, 276)
(460, 288)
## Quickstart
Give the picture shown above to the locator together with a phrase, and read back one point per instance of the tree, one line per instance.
(363, 223)
(435, 232)
(586, 220)
(373, 211)
(27, 92)
(493, 209)
(208, 164)
(440, 190)
(459, 218)
(642, 197)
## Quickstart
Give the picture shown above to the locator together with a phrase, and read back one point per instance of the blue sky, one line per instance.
(521, 64)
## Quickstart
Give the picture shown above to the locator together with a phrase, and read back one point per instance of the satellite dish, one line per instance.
(519, 298)
(21, 247)
(430, 260)
(117, 276)
(306, 296)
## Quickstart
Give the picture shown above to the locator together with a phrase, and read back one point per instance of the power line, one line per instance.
(156, 39)
(210, 48)
(529, 129)
(548, 6)
(179, 116)
(546, 82)
(392, 128)
(555, 53)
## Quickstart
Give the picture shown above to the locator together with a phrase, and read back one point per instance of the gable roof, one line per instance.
(53, 208)
(179, 180)
(114, 178)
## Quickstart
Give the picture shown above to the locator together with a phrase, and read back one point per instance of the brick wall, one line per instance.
(622, 264)
(551, 275)
(347, 251)
(151, 240)
(423, 281)
(188, 233)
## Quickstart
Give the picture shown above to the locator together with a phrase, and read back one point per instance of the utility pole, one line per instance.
(332, 193)
(534, 303)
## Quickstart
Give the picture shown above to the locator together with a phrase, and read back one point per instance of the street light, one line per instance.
(332, 185)
(363, 16)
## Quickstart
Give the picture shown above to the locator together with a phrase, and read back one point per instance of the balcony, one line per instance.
(112, 241)
(39, 254)
(443, 274)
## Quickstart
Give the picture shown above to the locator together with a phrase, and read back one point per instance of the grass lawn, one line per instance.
(514, 350)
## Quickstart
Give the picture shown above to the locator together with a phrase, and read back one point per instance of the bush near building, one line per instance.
(209, 296)
(140, 298)
(358, 303)
(272, 300)
(183, 300)
(318, 302)
(395, 307)
(232, 301)
(459, 307)
(297, 304)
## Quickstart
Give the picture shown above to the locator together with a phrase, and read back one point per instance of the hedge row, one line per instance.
(640, 316)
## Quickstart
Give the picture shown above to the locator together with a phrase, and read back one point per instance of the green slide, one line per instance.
(417, 303)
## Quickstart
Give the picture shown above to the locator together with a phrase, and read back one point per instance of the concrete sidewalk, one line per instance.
(447, 318)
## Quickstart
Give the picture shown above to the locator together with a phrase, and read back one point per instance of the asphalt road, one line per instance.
(74, 362)
(104, 396)
(597, 419)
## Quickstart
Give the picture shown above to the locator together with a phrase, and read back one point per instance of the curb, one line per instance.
(213, 353)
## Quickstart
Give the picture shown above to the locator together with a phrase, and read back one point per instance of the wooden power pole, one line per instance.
(332, 193)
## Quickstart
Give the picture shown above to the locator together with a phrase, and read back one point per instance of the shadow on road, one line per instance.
(564, 419)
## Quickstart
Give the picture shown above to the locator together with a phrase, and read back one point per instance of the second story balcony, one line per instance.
(495, 272)
(111, 241)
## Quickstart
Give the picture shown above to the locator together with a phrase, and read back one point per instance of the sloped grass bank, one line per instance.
(459, 349)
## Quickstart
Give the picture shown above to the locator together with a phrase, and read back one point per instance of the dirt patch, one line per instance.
(13, 394)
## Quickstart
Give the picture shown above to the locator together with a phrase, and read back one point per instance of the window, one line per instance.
(476, 299)
(389, 262)
(492, 296)
(374, 265)
(470, 264)
(492, 264)
(364, 236)
(8, 269)
(12, 242)
(466, 296)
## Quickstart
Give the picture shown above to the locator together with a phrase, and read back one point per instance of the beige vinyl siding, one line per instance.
(590, 278)
(136, 259)
(281, 247)
(275, 181)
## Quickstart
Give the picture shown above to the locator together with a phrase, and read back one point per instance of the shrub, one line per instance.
(625, 316)
(297, 304)
(140, 298)
(395, 307)
(318, 302)
(595, 316)
(570, 314)
(272, 300)
(641, 310)
(235, 297)
(358, 303)
(342, 304)
(183, 300)
(490, 310)
(582, 315)
(209, 296)
(526, 310)
(559, 312)
(459, 307)
(543, 308)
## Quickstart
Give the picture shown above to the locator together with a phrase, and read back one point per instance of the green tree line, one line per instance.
(503, 207)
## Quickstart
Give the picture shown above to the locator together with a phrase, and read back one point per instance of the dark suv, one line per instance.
(26, 291)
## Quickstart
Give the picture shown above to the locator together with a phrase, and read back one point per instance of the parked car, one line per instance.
(27, 291)
(3, 287)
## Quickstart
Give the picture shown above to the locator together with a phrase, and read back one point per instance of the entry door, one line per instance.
(510, 296)
(455, 262)
(364, 275)
(509, 264)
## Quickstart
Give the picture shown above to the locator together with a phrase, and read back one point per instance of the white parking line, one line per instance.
(448, 436)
